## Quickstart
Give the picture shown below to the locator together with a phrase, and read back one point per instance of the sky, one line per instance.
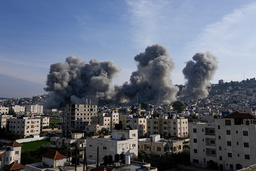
(35, 34)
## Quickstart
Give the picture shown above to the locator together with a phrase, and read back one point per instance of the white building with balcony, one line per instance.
(229, 142)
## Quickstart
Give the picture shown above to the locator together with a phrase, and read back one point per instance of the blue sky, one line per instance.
(37, 33)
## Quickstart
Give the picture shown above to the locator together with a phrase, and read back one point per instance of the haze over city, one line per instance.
(36, 34)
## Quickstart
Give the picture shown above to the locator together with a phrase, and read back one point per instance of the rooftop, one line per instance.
(53, 154)
(239, 115)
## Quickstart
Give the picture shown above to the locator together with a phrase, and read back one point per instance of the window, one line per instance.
(16, 152)
(228, 143)
(247, 157)
(158, 148)
(246, 144)
(90, 156)
(245, 133)
(220, 158)
(219, 137)
(229, 154)
(90, 145)
(218, 126)
(228, 132)
(227, 122)
(104, 148)
(195, 150)
(194, 130)
(195, 140)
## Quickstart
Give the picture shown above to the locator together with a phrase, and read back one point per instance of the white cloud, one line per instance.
(232, 40)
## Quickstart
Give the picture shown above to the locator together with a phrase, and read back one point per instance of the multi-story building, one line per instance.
(76, 139)
(229, 142)
(24, 126)
(139, 123)
(120, 142)
(3, 120)
(167, 127)
(10, 153)
(159, 146)
(4, 110)
(77, 116)
(34, 109)
(18, 109)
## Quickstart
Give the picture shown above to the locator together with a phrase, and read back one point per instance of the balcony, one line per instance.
(209, 131)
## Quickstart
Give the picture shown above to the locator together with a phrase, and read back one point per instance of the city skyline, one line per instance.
(36, 34)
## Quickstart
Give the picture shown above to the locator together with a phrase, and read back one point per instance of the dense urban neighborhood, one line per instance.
(217, 132)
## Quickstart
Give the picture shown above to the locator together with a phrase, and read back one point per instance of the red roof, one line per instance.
(14, 144)
(53, 154)
(239, 115)
(14, 166)
(1, 154)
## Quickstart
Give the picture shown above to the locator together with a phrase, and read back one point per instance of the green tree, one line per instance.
(178, 106)
(104, 131)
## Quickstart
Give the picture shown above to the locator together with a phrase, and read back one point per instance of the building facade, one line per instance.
(120, 142)
(76, 117)
(159, 146)
(4, 110)
(10, 153)
(229, 142)
(24, 126)
(3, 120)
(167, 128)
(34, 109)
(139, 123)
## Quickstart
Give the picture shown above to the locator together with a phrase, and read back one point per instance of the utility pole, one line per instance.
(98, 158)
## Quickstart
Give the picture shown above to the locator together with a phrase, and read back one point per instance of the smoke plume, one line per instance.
(151, 82)
(75, 81)
(198, 75)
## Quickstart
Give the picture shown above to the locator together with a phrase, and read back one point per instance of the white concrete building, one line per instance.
(159, 146)
(121, 141)
(77, 116)
(18, 109)
(51, 160)
(168, 127)
(24, 126)
(36, 109)
(10, 153)
(3, 120)
(4, 110)
(229, 142)
(139, 123)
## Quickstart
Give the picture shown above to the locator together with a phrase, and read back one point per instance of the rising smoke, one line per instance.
(198, 75)
(151, 82)
(75, 81)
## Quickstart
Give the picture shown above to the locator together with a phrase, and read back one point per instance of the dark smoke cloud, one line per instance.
(75, 81)
(151, 82)
(198, 75)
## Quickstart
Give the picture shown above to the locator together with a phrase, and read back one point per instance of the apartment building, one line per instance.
(24, 126)
(3, 120)
(34, 109)
(120, 142)
(159, 146)
(168, 127)
(139, 123)
(4, 110)
(76, 139)
(229, 142)
(18, 109)
(10, 153)
(76, 117)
